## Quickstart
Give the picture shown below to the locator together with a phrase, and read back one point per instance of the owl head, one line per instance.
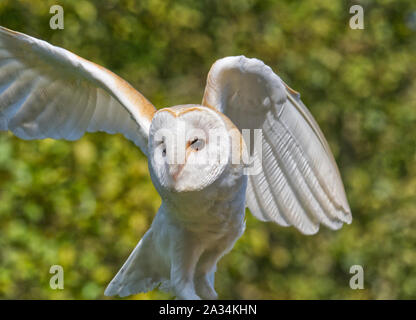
(190, 147)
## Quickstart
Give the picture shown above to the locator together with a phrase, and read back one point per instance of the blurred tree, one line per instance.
(85, 204)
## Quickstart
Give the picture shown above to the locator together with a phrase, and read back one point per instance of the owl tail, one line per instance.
(142, 271)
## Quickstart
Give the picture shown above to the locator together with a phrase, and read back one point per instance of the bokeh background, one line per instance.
(85, 204)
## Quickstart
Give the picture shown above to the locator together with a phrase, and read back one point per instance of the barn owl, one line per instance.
(49, 92)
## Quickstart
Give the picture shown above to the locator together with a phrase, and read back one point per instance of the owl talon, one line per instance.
(187, 293)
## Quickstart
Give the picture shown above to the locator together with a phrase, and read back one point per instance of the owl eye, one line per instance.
(197, 144)
(162, 142)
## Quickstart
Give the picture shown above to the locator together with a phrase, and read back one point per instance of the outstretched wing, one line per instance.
(49, 92)
(299, 183)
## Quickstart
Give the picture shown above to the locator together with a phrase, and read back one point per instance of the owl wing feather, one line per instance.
(49, 92)
(299, 183)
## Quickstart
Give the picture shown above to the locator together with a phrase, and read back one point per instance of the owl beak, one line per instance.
(175, 171)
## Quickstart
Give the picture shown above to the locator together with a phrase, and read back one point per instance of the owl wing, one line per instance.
(299, 183)
(49, 92)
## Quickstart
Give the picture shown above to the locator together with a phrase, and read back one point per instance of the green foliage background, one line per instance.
(85, 204)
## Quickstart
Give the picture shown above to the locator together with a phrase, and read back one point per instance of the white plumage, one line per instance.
(47, 91)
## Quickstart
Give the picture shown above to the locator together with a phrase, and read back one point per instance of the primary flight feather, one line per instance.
(199, 156)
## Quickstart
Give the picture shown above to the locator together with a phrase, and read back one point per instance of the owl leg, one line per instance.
(184, 257)
(207, 265)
